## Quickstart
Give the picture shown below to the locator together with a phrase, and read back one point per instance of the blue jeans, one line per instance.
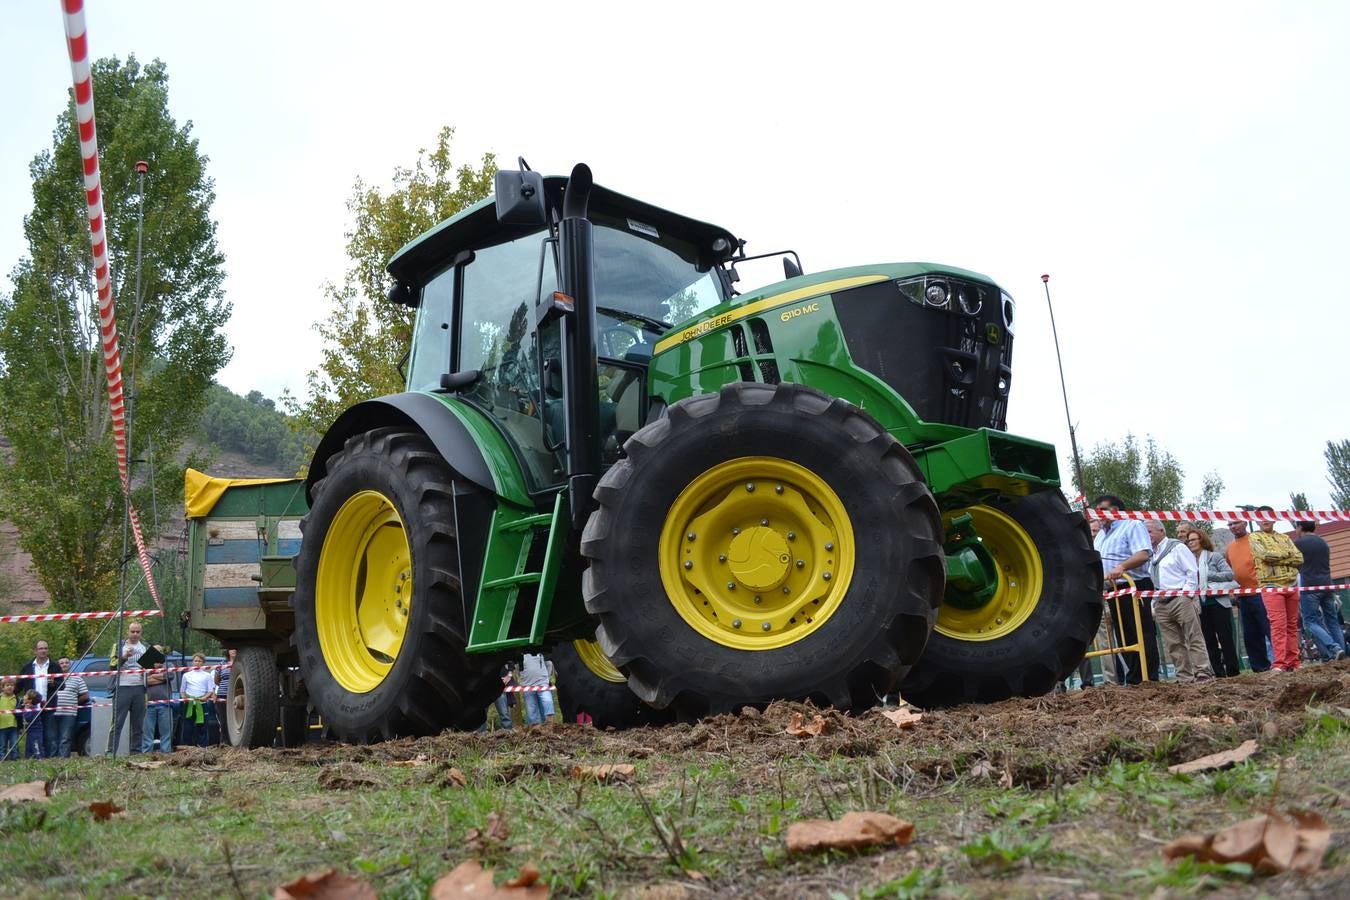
(1318, 609)
(158, 729)
(538, 707)
(1255, 631)
(9, 743)
(65, 730)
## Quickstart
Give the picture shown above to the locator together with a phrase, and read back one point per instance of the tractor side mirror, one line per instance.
(519, 197)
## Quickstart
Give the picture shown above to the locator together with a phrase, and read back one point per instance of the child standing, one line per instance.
(9, 727)
(32, 723)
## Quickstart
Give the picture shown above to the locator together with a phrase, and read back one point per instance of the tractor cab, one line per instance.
(484, 291)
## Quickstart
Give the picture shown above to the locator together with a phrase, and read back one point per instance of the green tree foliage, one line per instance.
(252, 425)
(1338, 472)
(1143, 475)
(61, 488)
(364, 335)
(1298, 500)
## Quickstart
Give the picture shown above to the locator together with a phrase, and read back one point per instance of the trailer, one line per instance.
(243, 535)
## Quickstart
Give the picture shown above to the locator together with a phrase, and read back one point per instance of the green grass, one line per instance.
(705, 817)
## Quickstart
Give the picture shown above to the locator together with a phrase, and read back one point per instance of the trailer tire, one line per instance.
(588, 683)
(821, 586)
(379, 608)
(1020, 645)
(253, 699)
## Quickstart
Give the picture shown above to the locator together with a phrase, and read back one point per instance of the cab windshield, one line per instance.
(654, 276)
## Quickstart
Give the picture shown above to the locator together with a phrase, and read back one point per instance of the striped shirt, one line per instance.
(68, 697)
(223, 688)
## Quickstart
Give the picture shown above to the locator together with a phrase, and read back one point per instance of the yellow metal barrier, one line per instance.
(1138, 646)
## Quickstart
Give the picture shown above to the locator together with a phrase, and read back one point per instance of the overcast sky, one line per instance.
(1179, 169)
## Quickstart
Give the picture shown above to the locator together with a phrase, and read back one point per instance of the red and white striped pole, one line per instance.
(78, 46)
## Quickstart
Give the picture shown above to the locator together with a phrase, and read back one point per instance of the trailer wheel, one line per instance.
(589, 683)
(759, 543)
(379, 609)
(1040, 621)
(253, 699)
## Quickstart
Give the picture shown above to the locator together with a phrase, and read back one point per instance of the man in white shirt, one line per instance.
(534, 672)
(1124, 548)
(129, 695)
(1175, 569)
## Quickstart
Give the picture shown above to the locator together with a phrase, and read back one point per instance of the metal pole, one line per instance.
(1073, 438)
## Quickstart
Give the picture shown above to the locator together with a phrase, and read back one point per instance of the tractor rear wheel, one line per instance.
(759, 543)
(379, 613)
(1042, 617)
(589, 683)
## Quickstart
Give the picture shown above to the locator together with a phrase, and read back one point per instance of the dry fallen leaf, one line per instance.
(471, 880)
(152, 764)
(420, 759)
(1005, 780)
(1221, 760)
(1270, 843)
(39, 791)
(326, 886)
(495, 831)
(338, 778)
(616, 772)
(854, 831)
(104, 811)
(902, 718)
(454, 778)
(982, 769)
(799, 728)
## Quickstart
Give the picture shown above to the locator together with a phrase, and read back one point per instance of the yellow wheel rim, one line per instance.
(593, 658)
(756, 553)
(363, 595)
(1020, 579)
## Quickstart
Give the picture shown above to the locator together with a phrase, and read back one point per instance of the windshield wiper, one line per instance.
(652, 324)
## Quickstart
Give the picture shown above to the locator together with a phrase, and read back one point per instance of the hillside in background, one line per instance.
(241, 437)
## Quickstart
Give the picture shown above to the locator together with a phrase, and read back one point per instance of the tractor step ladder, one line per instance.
(512, 537)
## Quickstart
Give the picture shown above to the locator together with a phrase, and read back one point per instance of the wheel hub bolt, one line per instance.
(735, 623)
(998, 621)
(801, 563)
(688, 563)
(829, 545)
(731, 585)
(764, 521)
(757, 600)
(792, 535)
(825, 575)
(766, 626)
(722, 557)
(749, 487)
(778, 489)
(690, 535)
(785, 589)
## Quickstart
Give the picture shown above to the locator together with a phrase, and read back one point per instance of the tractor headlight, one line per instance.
(1009, 309)
(939, 292)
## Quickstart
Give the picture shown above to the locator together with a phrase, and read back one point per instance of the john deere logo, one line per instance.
(992, 333)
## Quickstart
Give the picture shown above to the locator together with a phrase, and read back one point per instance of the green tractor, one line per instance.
(701, 499)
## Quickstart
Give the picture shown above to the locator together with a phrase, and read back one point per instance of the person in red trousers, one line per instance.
(1277, 561)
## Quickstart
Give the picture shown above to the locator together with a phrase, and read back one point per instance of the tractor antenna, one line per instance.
(1073, 438)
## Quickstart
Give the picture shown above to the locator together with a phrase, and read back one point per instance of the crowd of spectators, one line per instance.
(1197, 633)
(534, 672)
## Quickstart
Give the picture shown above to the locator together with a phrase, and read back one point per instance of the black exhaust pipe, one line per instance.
(580, 375)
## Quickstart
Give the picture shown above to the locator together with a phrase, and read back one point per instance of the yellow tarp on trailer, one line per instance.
(201, 492)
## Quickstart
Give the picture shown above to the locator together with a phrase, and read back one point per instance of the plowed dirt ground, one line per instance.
(1063, 795)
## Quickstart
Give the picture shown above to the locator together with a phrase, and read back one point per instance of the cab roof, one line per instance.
(476, 227)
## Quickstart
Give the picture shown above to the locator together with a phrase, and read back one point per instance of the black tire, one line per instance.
(1046, 647)
(294, 724)
(610, 704)
(882, 621)
(432, 683)
(253, 698)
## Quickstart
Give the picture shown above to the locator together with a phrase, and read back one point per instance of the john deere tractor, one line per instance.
(705, 499)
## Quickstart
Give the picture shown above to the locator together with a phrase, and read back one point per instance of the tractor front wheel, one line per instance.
(764, 542)
(1035, 625)
(379, 612)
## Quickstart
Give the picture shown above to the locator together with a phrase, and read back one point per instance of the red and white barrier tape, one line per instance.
(516, 689)
(78, 45)
(119, 671)
(1217, 515)
(1224, 592)
(101, 614)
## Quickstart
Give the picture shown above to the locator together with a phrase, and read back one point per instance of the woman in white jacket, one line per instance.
(1216, 613)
